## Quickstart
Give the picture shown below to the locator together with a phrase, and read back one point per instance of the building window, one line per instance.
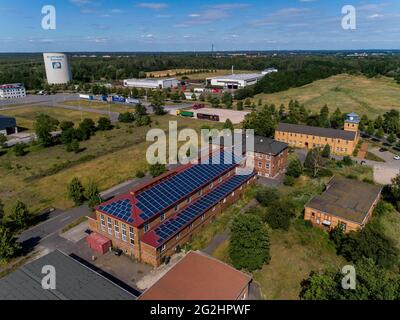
(203, 217)
(163, 248)
(116, 229)
(103, 222)
(178, 236)
(146, 227)
(260, 165)
(225, 200)
(124, 232)
(163, 217)
(212, 185)
(233, 194)
(176, 208)
(109, 225)
(220, 180)
(131, 235)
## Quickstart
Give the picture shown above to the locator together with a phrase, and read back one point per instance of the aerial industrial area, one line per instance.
(214, 175)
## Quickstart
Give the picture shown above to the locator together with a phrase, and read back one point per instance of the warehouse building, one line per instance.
(8, 125)
(342, 142)
(235, 81)
(151, 83)
(58, 69)
(200, 277)
(12, 91)
(74, 281)
(346, 203)
(154, 220)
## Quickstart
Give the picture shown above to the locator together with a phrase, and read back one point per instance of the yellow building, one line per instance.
(342, 142)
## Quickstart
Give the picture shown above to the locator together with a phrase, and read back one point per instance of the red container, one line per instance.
(98, 243)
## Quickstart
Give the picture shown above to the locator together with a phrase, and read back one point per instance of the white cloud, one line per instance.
(153, 5)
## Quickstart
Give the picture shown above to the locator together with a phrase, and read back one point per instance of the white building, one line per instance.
(58, 70)
(151, 83)
(238, 81)
(12, 91)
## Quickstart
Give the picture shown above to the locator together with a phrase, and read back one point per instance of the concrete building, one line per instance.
(154, 220)
(8, 125)
(12, 91)
(342, 142)
(74, 281)
(235, 81)
(345, 202)
(151, 83)
(58, 69)
(200, 277)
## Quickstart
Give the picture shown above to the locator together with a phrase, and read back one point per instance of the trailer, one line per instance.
(132, 101)
(86, 97)
(198, 106)
(188, 114)
(211, 117)
(104, 98)
(118, 99)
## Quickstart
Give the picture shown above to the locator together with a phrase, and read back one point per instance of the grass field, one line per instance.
(100, 105)
(25, 116)
(350, 93)
(40, 178)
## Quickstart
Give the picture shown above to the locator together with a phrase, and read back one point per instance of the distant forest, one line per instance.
(295, 70)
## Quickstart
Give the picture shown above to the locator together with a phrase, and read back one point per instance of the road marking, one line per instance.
(65, 219)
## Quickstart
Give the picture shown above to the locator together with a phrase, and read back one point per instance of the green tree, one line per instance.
(76, 192)
(392, 138)
(228, 125)
(262, 121)
(44, 125)
(249, 243)
(326, 152)
(92, 194)
(19, 216)
(157, 169)
(239, 105)
(3, 140)
(313, 162)
(380, 133)
(8, 244)
(267, 196)
(371, 129)
(20, 149)
(295, 168)
(104, 124)
(87, 128)
(126, 117)
(279, 215)
(65, 125)
(347, 161)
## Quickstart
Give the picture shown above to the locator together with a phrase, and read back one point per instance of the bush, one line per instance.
(289, 181)
(295, 168)
(347, 161)
(279, 215)
(140, 174)
(104, 124)
(266, 196)
(325, 173)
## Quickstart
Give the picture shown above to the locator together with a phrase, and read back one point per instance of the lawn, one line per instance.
(25, 116)
(40, 178)
(100, 105)
(371, 96)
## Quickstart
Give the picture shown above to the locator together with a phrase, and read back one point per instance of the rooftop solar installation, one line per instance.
(163, 195)
(121, 209)
(173, 226)
(152, 201)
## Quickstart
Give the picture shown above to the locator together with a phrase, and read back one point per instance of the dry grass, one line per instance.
(363, 95)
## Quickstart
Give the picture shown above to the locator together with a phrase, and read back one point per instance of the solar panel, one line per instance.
(121, 209)
(196, 209)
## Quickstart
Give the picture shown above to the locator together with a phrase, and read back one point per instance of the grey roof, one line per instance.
(7, 122)
(317, 131)
(74, 281)
(338, 201)
(261, 144)
(240, 76)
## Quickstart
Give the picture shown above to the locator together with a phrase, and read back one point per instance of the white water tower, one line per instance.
(58, 69)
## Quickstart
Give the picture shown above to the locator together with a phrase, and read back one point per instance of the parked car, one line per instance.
(118, 252)
(363, 162)
(383, 149)
(396, 158)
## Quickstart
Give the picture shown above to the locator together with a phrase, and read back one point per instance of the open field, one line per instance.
(100, 105)
(26, 115)
(349, 93)
(40, 178)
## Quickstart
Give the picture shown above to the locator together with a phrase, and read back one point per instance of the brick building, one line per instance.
(200, 277)
(269, 158)
(154, 220)
(337, 206)
(342, 142)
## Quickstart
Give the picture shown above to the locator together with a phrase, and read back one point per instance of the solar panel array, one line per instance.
(121, 209)
(168, 192)
(205, 203)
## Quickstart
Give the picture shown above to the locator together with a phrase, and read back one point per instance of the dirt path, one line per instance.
(363, 151)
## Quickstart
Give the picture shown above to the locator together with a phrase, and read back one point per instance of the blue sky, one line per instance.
(184, 25)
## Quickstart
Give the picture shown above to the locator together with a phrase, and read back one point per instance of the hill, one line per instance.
(360, 94)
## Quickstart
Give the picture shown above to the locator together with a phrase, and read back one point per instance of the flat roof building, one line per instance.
(235, 81)
(200, 277)
(345, 202)
(151, 83)
(12, 91)
(8, 125)
(74, 281)
(342, 142)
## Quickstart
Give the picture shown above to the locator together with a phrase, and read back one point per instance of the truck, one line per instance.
(132, 101)
(118, 99)
(188, 114)
(104, 98)
(86, 97)
(198, 106)
(211, 117)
